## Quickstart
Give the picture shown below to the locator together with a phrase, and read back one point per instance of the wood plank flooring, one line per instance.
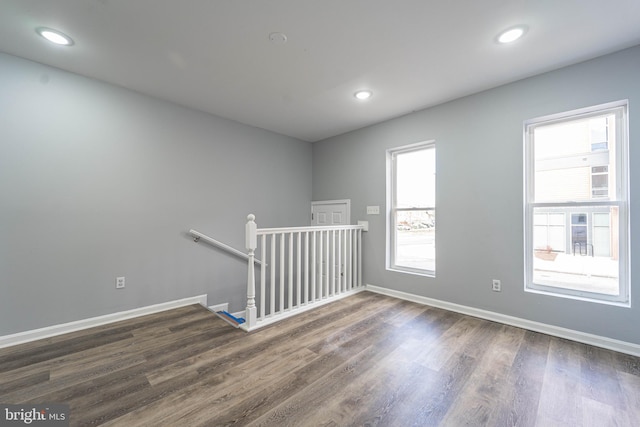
(367, 360)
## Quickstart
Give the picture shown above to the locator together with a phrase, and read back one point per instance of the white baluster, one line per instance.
(313, 265)
(354, 259)
(340, 252)
(272, 282)
(282, 273)
(327, 266)
(320, 264)
(333, 263)
(290, 273)
(306, 267)
(348, 259)
(263, 275)
(354, 245)
(298, 265)
(359, 251)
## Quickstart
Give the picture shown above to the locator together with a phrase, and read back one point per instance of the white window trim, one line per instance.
(621, 200)
(391, 210)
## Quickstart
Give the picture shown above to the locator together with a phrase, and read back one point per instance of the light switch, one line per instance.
(373, 210)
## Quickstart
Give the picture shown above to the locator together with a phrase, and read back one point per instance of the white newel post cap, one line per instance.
(250, 232)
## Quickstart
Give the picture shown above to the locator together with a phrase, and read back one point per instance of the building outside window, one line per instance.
(411, 197)
(576, 193)
(599, 181)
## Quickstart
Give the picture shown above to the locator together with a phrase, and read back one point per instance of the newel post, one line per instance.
(251, 244)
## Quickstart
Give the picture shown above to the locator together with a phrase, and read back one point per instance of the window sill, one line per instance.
(623, 304)
(423, 273)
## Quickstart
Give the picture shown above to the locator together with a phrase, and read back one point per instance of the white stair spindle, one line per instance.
(290, 274)
(327, 266)
(282, 272)
(347, 260)
(333, 262)
(313, 265)
(339, 266)
(306, 268)
(298, 265)
(263, 276)
(351, 263)
(272, 282)
(320, 264)
(354, 257)
(359, 252)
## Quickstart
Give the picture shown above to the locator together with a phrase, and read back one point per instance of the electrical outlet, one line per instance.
(373, 210)
(119, 282)
(496, 286)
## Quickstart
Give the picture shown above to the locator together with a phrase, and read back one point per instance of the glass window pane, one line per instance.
(567, 154)
(599, 146)
(540, 219)
(598, 130)
(556, 238)
(415, 239)
(540, 237)
(599, 169)
(579, 219)
(599, 181)
(589, 264)
(601, 219)
(562, 139)
(416, 179)
(556, 219)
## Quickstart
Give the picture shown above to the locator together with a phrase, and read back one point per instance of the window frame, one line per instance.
(392, 208)
(620, 199)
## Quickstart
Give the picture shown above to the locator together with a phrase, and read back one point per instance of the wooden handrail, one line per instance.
(197, 236)
(308, 228)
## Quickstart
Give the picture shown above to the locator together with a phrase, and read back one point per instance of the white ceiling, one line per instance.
(215, 55)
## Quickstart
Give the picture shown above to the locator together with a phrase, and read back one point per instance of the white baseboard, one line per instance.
(570, 334)
(50, 331)
(219, 307)
(318, 303)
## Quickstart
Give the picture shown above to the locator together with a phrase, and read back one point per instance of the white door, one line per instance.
(331, 212)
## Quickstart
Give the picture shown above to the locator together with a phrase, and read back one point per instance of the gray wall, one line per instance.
(479, 191)
(97, 181)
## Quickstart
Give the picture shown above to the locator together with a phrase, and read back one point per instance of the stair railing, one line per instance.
(307, 267)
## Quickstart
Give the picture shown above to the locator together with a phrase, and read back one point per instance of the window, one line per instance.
(595, 146)
(576, 191)
(411, 197)
(549, 231)
(599, 133)
(599, 181)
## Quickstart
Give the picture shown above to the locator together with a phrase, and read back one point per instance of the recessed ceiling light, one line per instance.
(278, 38)
(55, 36)
(512, 34)
(363, 94)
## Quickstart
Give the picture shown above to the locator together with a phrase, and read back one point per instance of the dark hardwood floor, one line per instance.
(365, 360)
